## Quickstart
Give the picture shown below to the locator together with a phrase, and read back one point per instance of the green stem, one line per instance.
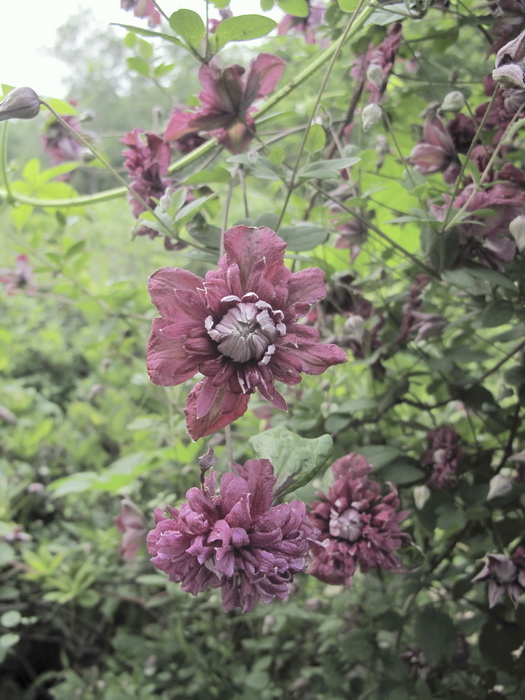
(205, 148)
(331, 54)
(5, 175)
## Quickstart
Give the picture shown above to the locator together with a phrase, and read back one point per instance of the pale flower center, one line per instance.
(346, 525)
(247, 331)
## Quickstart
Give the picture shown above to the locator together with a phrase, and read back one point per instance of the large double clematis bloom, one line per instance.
(238, 327)
(235, 540)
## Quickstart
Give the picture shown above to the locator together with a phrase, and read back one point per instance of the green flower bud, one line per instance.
(371, 115)
(20, 103)
(453, 102)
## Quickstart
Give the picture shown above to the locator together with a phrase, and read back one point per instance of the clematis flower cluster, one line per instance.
(59, 144)
(358, 526)
(505, 575)
(235, 540)
(238, 327)
(226, 102)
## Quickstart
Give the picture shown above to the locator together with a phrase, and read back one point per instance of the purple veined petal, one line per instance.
(234, 489)
(319, 357)
(265, 73)
(246, 246)
(164, 282)
(261, 480)
(215, 419)
(167, 363)
(306, 286)
(180, 124)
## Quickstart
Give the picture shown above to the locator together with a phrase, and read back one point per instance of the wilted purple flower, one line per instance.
(436, 153)
(234, 540)
(357, 524)
(503, 110)
(305, 25)
(486, 236)
(510, 20)
(142, 8)
(504, 576)
(444, 455)
(147, 159)
(510, 63)
(59, 144)
(132, 523)
(226, 100)
(19, 278)
(238, 327)
(383, 56)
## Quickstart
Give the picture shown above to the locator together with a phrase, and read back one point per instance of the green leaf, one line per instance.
(316, 139)
(379, 455)
(496, 314)
(492, 276)
(303, 236)
(139, 65)
(189, 26)
(297, 8)
(190, 210)
(401, 472)
(243, 28)
(326, 169)
(148, 32)
(11, 618)
(435, 634)
(296, 460)
(348, 5)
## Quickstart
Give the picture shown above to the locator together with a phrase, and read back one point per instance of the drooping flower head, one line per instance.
(504, 576)
(132, 523)
(226, 100)
(238, 327)
(436, 152)
(146, 159)
(234, 540)
(358, 525)
(444, 455)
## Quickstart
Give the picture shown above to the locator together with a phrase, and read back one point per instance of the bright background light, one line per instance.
(28, 33)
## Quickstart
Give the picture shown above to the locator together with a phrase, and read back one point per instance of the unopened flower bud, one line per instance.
(370, 116)
(500, 485)
(375, 75)
(453, 102)
(517, 229)
(20, 103)
(421, 495)
(509, 76)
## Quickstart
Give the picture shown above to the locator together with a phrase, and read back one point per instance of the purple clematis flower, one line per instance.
(238, 327)
(357, 524)
(436, 153)
(444, 456)
(21, 278)
(504, 575)
(234, 540)
(226, 101)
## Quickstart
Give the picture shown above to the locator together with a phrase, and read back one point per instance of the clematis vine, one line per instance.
(357, 524)
(226, 102)
(238, 327)
(235, 540)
